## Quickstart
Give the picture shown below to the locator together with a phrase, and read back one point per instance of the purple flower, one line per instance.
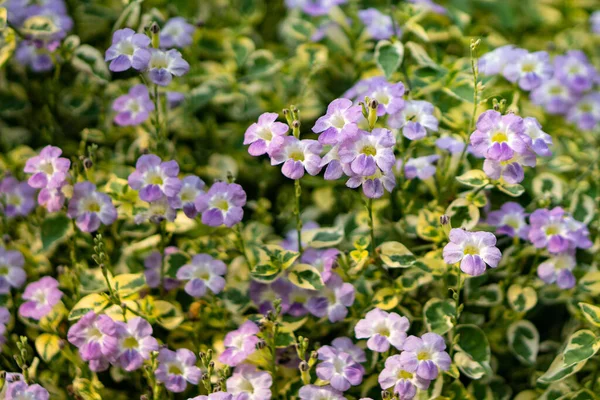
(425, 355)
(48, 168)
(177, 32)
(154, 178)
(248, 383)
(41, 298)
(153, 264)
(540, 141)
(451, 144)
(498, 137)
(586, 113)
(175, 99)
(19, 390)
(382, 329)
(134, 107)
(558, 269)
(379, 26)
(339, 123)
(510, 170)
(334, 168)
(51, 199)
(414, 119)
(202, 273)
(339, 368)
(495, 61)
(314, 8)
(191, 188)
(473, 250)
(96, 338)
(323, 260)
(510, 220)
(557, 231)
(368, 152)
(164, 64)
(90, 207)
(38, 58)
(18, 198)
(388, 95)
(575, 70)
(135, 343)
(157, 211)
(362, 88)
(177, 367)
(222, 204)
(4, 319)
(530, 70)
(313, 392)
(554, 96)
(11, 270)
(420, 167)
(430, 5)
(128, 49)
(332, 301)
(373, 185)
(402, 378)
(263, 295)
(215, 396)
(239, 344)
(296, 156)
(595, 22)
(346, 345)
(266, 135)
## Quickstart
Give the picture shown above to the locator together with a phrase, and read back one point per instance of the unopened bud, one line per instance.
(260, 345)
(385, 394)
(303, 366)
(314, 355)
(296, 124)
(157, 219)
(373, 104)
(444, 219)
(87, 163)
(154, 28)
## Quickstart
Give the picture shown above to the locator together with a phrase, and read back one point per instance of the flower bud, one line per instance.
(303, 366)
(87, 163)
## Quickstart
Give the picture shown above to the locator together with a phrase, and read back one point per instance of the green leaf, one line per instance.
(524, 341)
(468, 366)
(386, 299)
(262, 63)
(396, 255)
(388, 56)
(173, 262)
(590, 283)
(92, 302)
(558, 370)
(591, 313)
(47, 345)
(54, 230)
(89, 60)
(521, 299)
(581, 345)
(127, 284)
(486, 296)
(473, 341)
(323, 237)
(284, 339)
(166, 314)
(439, 314)
(475, 178)
(511, 189)
(463, 214)
(242, 47)
(3, 18)
(265, 273)
(306, 277)
(8, 43)
(420, 56)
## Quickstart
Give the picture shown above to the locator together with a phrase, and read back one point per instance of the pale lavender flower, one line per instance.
(473, 250)
(554, 96)
(332, 160)
(157, 211)
(4, 319)
(332, 301)
(163, 65)
(90, 208)
(314, 8)
(510, 170)
(425, 355)
(557, 231)
(339, 368)
(539, 141)
(174, 99)
(154, 178)
(128, 49)
(222, 204)
(153, 264)
(402, 378)
(264, 294)
(498, 137)
(495, 61)
(339, 123)
(510, 220)
(18, 198)
(20, 390)
(134, 107)
(379, 25)
(451, 144)
(420, 167)
(38, 58)
(41, 298)
(176, 368)
(296, 156)
(52, 199)
(12, 273)
(586, 112)
(368, 152)
(558, 269)
(135, 343)
(248, 383)
(204, 272)
(415, 119)
(297, 299)
(382, 329)
(323, 260)
(313, 392)
(215, 396)
(191, 188)
(530, 70)
(346, 345)
(239, 344)
(429, 5)
(265, 135)
(96, 338)
(373, 186)
(595, 22)
(362, 87)
(48, 168)
(177, 32)
(575, 70)
(388, 96)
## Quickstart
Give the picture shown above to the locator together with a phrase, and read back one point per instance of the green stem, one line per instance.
(475, 69)
(162, 245)
(274, 359)
(242, 243)
(371, 226)
(298, 193)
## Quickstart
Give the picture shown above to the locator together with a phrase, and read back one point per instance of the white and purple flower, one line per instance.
(163, 65)
(134, 107)
(426, 355)
(191, 188)
(473, 250)
(368, 152)
(12, 273)
(248, 383)
(222, 204)
(382, 329)
(48, 168)
(557, 231)
(41, 297)
(332, 301)
(339, 368)
(575, 70)
(239, 344)
(18, 198)
(558, 269)
(296, 156)
(379, 26)
(373, 186)
(421, 167)
(554, 96)
(586, 112)
(498, 137)
(135, 343)
(339, 123)
(510, 220)
(313, 392)
(266, 135)
(204, 272)
(176, 369)
(177, 32)
(20, 390)
(530, 70)
(495, 61)
(96, 338)
(540, 141)
(403, 378)
(90, 208)
(128, 49)
(415, 119)
(155, 178)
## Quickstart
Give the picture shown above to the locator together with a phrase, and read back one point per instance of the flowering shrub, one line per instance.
(299, 199)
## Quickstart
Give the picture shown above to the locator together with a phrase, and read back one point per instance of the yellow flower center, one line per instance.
(174, 369)
(92, 206)
(369, 150)
(297, 156)
(222, 204)
(471, 250)
(130, 343)
(404, 375)
(3, 270)
(528, 67)
(552, 230)
(499, 137)
(586, 108)
(47, 168)
(338, 121)
(423, 355)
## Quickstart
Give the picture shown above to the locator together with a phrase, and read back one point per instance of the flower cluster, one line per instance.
(49, 173)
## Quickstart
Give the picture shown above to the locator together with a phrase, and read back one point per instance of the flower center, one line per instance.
(174, 369)
(127, 48)
(246, 386)
(159, 61)
(383, 331)
(552, 230)
(338, 121)
(297, 155)
(499, 137)
(339, 365)
(92, 206)
(222, 205)
(513, 222)
(555, 90)
(528, 67)
(155, 179)
(13, 200)
(574, 70)
(423, 355)
(265, 134)
(382, 97)
(130, 343)
(405, 375)
(585, 107)
(471, 250)
(369, 150)
(47, 168)
(204, 275)
(94, 333)
(187, 195)
(3, 270)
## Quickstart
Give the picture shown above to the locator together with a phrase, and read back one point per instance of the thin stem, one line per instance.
(162, 245)
(242, 243)
(298, 193)
(274, 358)
(371, 226)
(458, 289)
(475, 69)
(156, 113)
